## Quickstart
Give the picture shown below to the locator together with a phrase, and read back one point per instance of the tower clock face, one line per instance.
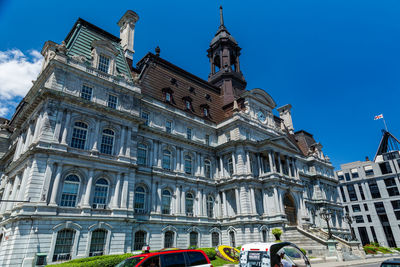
(261, 116)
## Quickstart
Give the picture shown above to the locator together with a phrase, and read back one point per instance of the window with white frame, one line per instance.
(230, 166)
(210, 207)
(98, 242)
(104, 63)
(166, 202)
(193, 239)
(232, 239)
(207, 168)
(354, 173)
(101, 189)
(140, 199)
(142, 154)
(70, 191)
(189, 201)
(140, 240)
(189, 133)
(86, 92)
(145, 116)
(207, 139)
(264, 235)
(63, 247)
(166, 160)
(368, 170)
(112, 101)
(107, 141)
(215, 239)
(168, 126)
(168, 239)
(188, 164)
(79, 134)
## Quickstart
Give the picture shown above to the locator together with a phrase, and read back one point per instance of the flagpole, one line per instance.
(384, 122)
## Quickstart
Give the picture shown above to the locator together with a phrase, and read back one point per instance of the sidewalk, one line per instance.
(356, 262)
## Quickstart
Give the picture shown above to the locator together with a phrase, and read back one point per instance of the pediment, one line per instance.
(261, 96)
(106, 45)
(284, 141)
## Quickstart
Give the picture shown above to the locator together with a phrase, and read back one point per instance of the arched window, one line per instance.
(70, 191)
(63, 247)
(100, 194)
(215, 239)
(210, 207)
(230, 166)
(140, 240)
(166, 202)
(98, 242)
(188, 164)
(79, 135)
(232, 239)
(264, 235)
(189, 204)
(140, 199)
(107, 141)
(205, 112)
(166, 161)
(142, 154)
(168, 239)
(194, 239)
(207, 168)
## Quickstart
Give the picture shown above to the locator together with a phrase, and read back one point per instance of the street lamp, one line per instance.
(349, 219)
(326, 216)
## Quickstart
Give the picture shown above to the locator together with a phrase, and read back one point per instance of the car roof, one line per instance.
(150, 254)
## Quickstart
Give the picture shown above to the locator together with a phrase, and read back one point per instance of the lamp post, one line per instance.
(349, 220)
(326, 216)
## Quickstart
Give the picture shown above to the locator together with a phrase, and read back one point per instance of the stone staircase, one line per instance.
(314, 245)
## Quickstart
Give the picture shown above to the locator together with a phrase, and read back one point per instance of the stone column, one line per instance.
(281, 200)
(128, 143)
(199, 203)
(265, 202)
(57, 129)
(56, 185)
(280, 164)
(226, 213)
(248, 163)
(183, 202)
(271, 164)
(96, 136)
(124, 195)
(234, 163)
(155, 154)
(160, 155)
(159, 196)
(17, 180)
(182, 162)
(276, 200)
(202, 166)
(238, 206)
(204, 211)
(288, 166)
(259, 165)
(66, 126)
(117, 188)
(253, 200)
(153, 196)
(86, 200)
(221, 164)
(21, 193)
(122, 142)
(177, 200)
(219, 208)
(5, 196)
(28, 138)
(19, 144)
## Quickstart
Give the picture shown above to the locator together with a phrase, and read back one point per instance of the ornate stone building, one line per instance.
(102, 157)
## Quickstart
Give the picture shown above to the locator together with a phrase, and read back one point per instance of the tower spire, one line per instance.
(221, 17)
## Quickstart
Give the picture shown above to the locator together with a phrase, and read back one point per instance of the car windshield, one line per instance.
(292, 256)
(390, 265)
(130, 262)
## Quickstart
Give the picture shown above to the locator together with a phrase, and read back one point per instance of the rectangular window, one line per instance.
(359, 219)
(391, 187)
(342, 193)
(112, 101)
(361, 192)
(145, 116)
(369, 218)
(374, 234)
(354, 173)
(347, 175)
(368, 170)
(373, 187)
(207, 139)
(340, 176)
(189, 133)
(104, 63)
(356, 208)
(86, 92)
(346, 208)
(365, 207)
(396, 208)
(385, 167)
(168, 126)
(352, 192)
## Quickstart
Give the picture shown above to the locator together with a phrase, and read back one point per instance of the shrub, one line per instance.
(304, 251)
(375, 244)
(384, 250)
(370, 249)
(210, 252)
(97, 261)
(398, 249)
(276, 231)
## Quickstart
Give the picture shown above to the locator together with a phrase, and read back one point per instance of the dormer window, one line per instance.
(205, 112)
(188, 104)
(168, 97)
(104, 63)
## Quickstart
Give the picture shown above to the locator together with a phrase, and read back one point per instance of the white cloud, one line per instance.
(17, 70)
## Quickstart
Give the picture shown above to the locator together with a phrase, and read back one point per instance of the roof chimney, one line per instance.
(127, 32)
(286, 115)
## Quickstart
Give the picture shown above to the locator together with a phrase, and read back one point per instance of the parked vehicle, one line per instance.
(168, 258)
(272, 255)
(391, 263)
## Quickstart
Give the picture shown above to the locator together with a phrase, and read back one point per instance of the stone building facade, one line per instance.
(370, 194)
(102, 157)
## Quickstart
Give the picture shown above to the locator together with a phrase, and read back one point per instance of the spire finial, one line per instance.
(221, 16)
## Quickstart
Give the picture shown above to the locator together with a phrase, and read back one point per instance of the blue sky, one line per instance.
(337, 62)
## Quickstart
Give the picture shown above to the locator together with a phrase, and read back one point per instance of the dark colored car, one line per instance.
(171, 258)
(391, 263)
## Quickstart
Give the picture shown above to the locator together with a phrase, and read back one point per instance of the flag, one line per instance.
(377, 117)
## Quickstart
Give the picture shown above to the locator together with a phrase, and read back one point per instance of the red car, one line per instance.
(171, 258)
